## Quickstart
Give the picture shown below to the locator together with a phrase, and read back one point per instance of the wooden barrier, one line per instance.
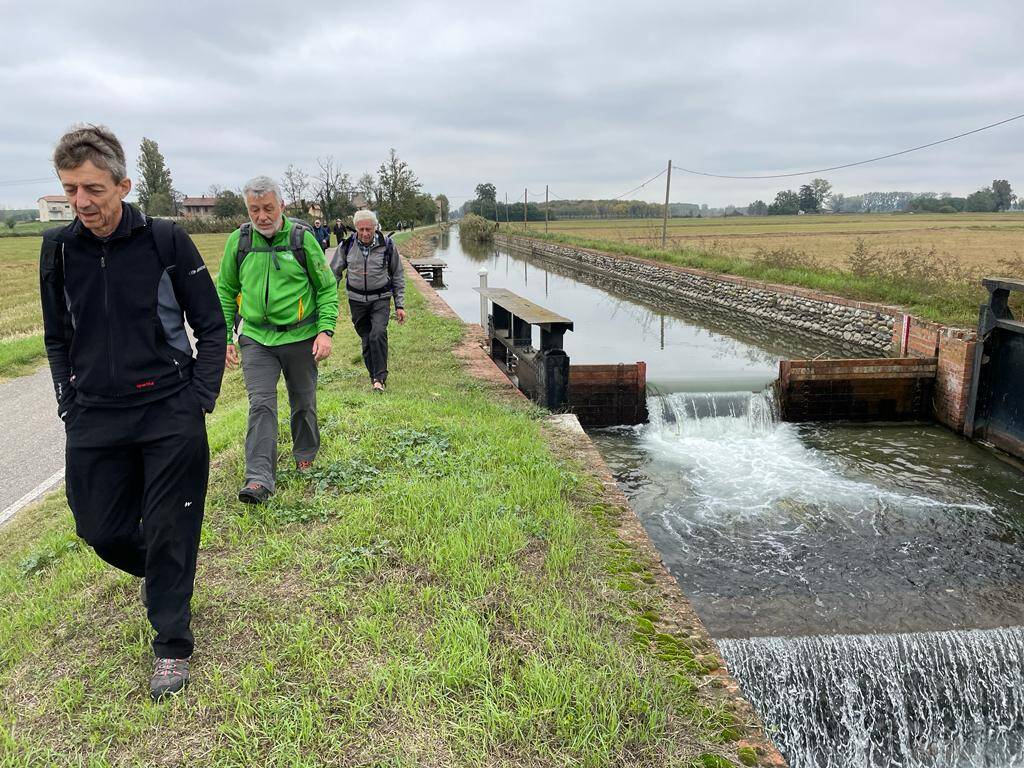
(873, 389)
(608, 395)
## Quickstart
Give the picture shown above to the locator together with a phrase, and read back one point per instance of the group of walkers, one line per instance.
(117, 289)
(322, 233)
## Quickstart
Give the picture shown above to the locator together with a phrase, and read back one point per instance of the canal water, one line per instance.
(864, 583)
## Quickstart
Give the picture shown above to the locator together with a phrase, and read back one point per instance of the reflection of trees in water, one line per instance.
(659, 325)
(477, 251)
(773, 339)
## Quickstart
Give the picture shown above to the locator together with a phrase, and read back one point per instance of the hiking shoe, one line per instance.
(142, 594)
(169, 677)
(253, 493)
(305, 465)
(378, 386)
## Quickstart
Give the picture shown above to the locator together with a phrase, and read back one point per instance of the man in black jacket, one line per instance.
(116, 288)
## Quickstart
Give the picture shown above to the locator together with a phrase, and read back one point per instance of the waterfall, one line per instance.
(928, 700)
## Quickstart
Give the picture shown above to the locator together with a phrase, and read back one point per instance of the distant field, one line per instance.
(21, 322)
(979, 241)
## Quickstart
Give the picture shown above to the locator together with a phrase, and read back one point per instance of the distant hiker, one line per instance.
(374, 277)
(275, 277)
(322, 235)
(116, 287)
(339, 231)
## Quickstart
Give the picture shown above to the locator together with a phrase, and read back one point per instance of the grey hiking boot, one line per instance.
(169, 677)
(254, 493)
(142, 594)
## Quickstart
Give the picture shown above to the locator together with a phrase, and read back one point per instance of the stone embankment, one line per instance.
(860, 324)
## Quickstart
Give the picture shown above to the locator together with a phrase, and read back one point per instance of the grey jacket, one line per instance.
(370, 276)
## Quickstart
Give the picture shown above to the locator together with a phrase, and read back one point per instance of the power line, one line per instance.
(641, 186)
(16, 182)
(851, 165)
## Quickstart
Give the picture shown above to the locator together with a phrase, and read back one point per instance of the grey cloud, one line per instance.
(591, 98)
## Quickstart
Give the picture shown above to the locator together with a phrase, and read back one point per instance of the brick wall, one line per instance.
(953, 378)
(608, 395)
(872, 389)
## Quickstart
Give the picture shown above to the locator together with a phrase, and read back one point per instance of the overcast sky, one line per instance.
(591, 98)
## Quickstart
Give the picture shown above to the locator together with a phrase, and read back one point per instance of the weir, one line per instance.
(864, 581)
(916, 700)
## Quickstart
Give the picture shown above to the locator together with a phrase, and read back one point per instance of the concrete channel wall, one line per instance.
(858, 323)
(876, 328)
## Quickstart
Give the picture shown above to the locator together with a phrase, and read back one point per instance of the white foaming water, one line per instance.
(742, 463)
(927, 700)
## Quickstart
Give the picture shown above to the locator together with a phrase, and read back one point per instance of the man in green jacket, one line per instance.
(275, 278)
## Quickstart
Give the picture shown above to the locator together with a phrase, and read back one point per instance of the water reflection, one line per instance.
(684, 347)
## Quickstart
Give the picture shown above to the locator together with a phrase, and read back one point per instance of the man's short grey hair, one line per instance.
(94, 144)
(260, 186)
(364, 215)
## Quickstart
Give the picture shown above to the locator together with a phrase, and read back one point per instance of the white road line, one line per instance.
(32, 495)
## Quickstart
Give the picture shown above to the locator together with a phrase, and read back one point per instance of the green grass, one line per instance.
(21, 320)
(941, 301)
(443, 590)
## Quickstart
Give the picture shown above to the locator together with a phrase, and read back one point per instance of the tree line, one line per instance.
(817, 197)
(395, 193)
(487, 205)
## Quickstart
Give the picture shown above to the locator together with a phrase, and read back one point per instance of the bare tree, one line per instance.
(332, 189)
(367, 187)
(295, 184)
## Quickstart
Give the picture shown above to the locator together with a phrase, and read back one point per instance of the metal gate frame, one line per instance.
(996, 325)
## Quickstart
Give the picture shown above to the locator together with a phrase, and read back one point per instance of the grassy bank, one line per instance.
(21, 320)
(442, 590)
(921, 283)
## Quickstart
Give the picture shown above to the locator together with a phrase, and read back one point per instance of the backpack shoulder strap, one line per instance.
(297, 243)
(163, 237)
(348, 243)
(389, 250)
(244, 243)
(52, 252)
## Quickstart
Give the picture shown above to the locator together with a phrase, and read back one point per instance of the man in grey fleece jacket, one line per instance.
(374, 276)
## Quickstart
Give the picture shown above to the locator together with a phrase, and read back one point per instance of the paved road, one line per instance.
(33, 440)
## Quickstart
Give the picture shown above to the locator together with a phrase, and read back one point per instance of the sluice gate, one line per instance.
(599, 395)
(995, 411)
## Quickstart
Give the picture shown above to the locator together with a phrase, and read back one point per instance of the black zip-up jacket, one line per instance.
(114, 311)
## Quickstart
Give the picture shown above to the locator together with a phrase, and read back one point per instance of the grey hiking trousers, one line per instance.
(262, 366)
(370, 319)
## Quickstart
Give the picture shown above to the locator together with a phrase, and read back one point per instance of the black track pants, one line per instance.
(370, 319)
(136, 483)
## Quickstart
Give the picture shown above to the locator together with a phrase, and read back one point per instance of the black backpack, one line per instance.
(389, 250)
(53, 247)
(295, 245)
(298, 250)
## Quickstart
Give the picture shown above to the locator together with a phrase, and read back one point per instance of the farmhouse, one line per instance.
(198, 207)
(55, 208)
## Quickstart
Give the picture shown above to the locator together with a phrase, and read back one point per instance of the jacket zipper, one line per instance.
(106, 312)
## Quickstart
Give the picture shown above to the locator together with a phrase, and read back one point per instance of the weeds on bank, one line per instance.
(440, 590)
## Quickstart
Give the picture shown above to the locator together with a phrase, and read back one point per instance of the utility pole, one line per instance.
(506, 207)
(524, 206)
(545, 209)
(664, 223)
(496, 209)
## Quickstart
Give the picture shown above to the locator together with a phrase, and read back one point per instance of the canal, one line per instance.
(864, 583)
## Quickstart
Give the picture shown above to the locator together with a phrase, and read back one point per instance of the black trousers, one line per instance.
(371, 321)
(136, 483)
